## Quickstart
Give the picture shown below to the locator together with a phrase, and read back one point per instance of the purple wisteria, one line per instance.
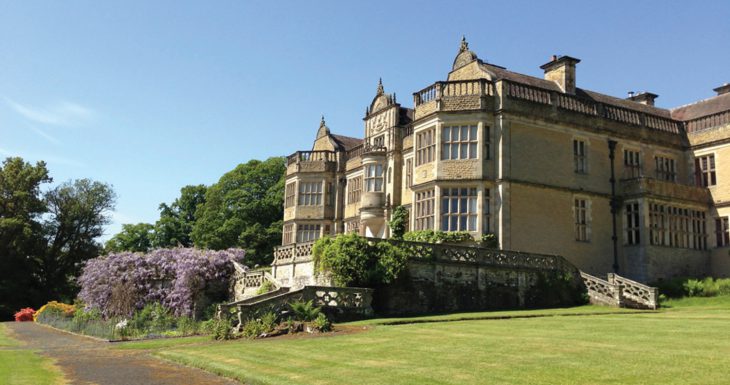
(177, 278)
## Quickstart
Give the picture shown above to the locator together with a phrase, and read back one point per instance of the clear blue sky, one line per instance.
(154, 95)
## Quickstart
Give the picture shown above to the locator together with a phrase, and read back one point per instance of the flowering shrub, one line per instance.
(58, 307)
(119, 284)
(24, 315)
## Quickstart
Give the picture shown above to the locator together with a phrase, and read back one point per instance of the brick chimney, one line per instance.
(643, 97)
(723, 89)
(561, 70)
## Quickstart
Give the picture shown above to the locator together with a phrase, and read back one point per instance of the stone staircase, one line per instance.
(619, 291)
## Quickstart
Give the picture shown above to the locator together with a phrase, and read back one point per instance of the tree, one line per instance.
(176, 221)
(21, 206)
(77, 213)
(135, 238)
(244, 209)
(45, 237)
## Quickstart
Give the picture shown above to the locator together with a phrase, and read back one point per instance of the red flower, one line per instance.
(24, 315)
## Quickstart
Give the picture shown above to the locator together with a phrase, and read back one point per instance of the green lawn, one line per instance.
(686, 343)
(19, 366)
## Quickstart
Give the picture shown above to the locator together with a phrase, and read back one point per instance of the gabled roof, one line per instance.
(702, 108)
(345, 143)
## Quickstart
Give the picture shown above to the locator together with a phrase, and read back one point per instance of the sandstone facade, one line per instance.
(532, 161)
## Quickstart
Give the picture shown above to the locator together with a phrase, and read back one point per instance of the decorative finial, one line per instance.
(321, 123)
(464, 44)
(380, 86)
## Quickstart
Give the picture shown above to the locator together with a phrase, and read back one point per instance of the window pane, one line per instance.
(473, 134)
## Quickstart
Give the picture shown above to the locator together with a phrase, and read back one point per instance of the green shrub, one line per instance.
(152, 318)
(305, 311)
(392, 260)
(490, 241)
(322, 323)
(354, 261)
(398, 222)
(221, 329)
(187, 326)
(256, 327)
(431, 236)
(265, 287)
(691, 287)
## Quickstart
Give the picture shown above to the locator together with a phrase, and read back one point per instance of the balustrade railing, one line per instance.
(708, 121)
(638, 294)
(355, 151)
(439, 90)
(347, 300)
(593, 108)
(600, 291)
(287, 253)
(447, 253)
(312, 156)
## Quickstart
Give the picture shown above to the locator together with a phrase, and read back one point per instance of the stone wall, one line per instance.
(439, 287)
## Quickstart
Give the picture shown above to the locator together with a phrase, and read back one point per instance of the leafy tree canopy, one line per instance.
(46, 237)
(176, 220)
(133, 237)
(244, 209)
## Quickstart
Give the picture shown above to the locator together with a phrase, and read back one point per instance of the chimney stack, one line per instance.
(643, 97)
(723, 89)
(561, 70)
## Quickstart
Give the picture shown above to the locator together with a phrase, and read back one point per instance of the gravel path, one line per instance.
(86, 361)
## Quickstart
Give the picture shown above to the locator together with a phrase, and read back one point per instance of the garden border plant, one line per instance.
(357, 262)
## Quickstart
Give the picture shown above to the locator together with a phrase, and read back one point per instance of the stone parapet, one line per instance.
(639, 187)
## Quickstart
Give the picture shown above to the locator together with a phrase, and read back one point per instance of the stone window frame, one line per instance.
(706, 170)
(665, 167)
(470, 145)
(426, 146)
(379, 141)
(582, 218)
(352, 225)
(487, 211)
(287, 234)
(373, 177)
(308, 232)
(677, 226)
(354, 189)
(409, 172)
(459, 208)
(330, 194)
(722, 231)
(425, 206)
(291, 194)
(632, 162)
(310, 193)
(580, 146)
(632, 223)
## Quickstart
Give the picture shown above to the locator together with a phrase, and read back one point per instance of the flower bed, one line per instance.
(24, 315)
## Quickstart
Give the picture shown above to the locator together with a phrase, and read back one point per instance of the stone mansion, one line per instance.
(611, 184)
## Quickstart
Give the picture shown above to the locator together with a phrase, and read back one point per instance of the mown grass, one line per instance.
(25, 367)
(578, 310)
(686, 343)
